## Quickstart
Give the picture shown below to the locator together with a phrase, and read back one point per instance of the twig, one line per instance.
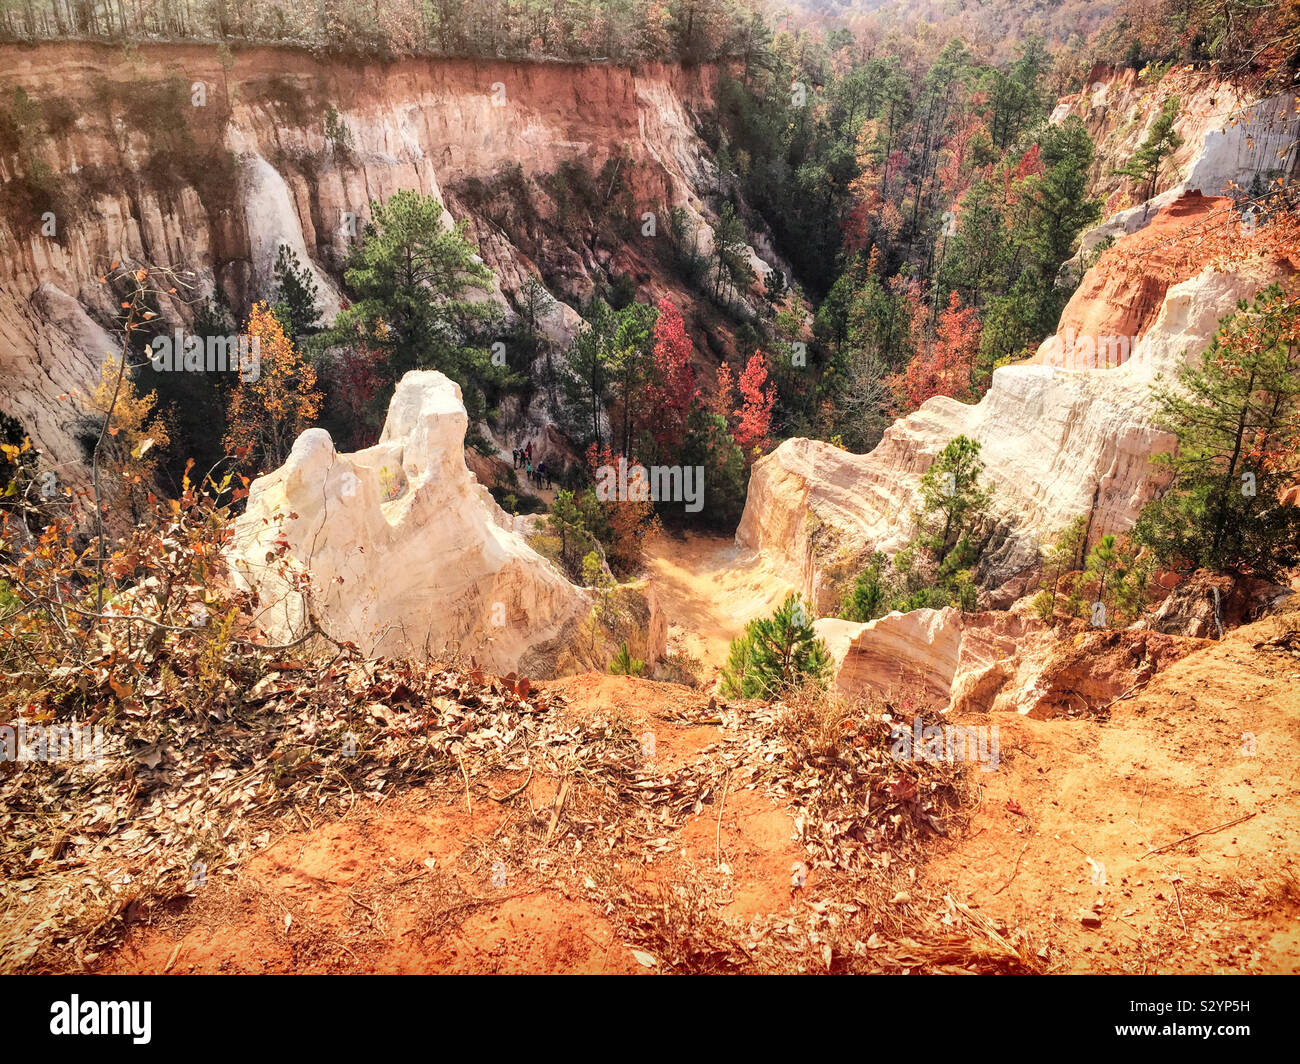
(1014, 872)
(717, 836)
(1195, 835)
(510, 794)
(555, 813)
(363, 905)
(1179, 898)
(461, 761)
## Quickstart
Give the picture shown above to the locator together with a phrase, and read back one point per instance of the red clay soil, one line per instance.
(1075, 839)
(1112, 300)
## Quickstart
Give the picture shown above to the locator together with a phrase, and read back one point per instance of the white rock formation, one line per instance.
(408, 555)
(993, 662)
(272, 223)
(899, 654)
(1055, 443)
(51, 354)
(1228, 137)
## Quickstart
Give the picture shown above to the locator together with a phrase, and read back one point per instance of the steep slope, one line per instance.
(1230, 136)
(169, 157)
(1067, 433)
(1082, 820)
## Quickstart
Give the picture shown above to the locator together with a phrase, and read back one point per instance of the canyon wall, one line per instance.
(1060, 435)
(164, 155)
(1230, 137)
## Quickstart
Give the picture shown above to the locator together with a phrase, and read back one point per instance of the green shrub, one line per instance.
(776, 654)
(624, 664)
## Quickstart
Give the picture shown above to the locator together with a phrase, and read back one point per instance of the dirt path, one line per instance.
(710, 589)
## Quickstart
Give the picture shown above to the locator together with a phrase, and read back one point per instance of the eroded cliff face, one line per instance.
(1062, 434)
(1230, 136)
(164, 156)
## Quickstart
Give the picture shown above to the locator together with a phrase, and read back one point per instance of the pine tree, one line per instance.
(587, 374)
(869, 597)
(953, 502)
(730, 263)
(566, 521)
(1160, 142)
(1236, 417)
(624, 664)
(295, 296)
(1103, 561)
(1062, 557)
(776, 654)
(414, 279)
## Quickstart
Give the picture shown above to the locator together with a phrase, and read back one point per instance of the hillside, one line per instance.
(649, 488)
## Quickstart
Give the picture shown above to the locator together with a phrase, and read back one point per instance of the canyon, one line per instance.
(1069, 431)
(170, 158)
(289, 150)
(457, 782)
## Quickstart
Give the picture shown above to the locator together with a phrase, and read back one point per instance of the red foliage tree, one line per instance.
(755, 412)
(353, 383)
(947, 365)
(670, 396)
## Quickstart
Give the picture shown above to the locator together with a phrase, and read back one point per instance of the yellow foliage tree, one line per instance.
(267, 414)
(136, 438)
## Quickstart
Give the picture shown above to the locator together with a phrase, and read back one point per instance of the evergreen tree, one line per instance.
(776, 654)
(587, 374)
(730, 263)
(869, 597)
(1161, 141)
(1236, 417)
(1062, 557)
(295, 304)
(414, 278)
(953, 501)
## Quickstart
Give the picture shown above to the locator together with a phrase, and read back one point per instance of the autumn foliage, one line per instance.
(673, 392)
(754, 415)
(267, 414)
(628, 522)
(946, 365)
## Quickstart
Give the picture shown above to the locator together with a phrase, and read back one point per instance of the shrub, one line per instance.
(776, 654)
(624, 664)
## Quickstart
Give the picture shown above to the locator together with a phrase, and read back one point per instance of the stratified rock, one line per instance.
(912, 654)
(1055, 443)
(434, 126)
(995, 661)
(407, 553)
(1230, 135)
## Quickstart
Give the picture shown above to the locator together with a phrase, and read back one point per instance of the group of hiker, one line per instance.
(538, 475)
